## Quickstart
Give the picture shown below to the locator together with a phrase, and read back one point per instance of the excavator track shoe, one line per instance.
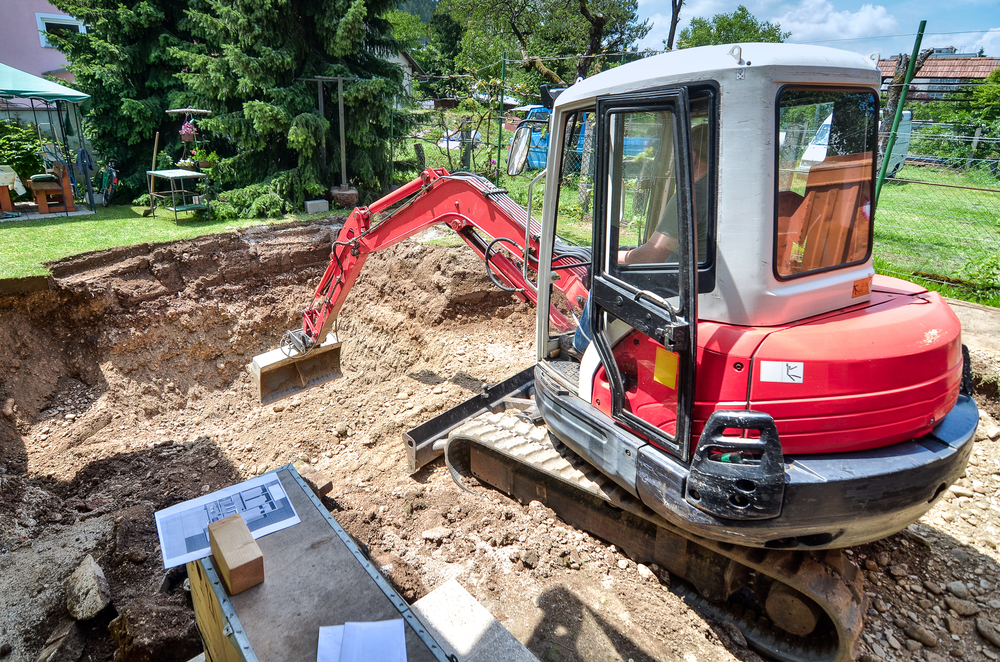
(278, 374)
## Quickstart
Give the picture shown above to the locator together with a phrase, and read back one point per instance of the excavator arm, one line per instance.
(481, 214)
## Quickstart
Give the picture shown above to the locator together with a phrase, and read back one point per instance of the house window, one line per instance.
(57, 24)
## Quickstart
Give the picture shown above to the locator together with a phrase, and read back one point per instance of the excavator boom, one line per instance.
(480, 213)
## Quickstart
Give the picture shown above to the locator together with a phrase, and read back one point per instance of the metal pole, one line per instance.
(322, 151)
(503, 79)
(343, 139)
(899, 110)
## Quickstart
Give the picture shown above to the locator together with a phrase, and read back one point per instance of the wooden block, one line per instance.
(317, 481)
(237, 556)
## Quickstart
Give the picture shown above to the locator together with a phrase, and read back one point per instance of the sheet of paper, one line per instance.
(183, 528)
(377, 641)
(330, 640)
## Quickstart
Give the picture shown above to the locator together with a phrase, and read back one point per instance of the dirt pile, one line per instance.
(126, 392)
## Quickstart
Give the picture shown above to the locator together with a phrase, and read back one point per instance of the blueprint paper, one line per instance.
(183, 528)
(330, 640)
(377, 641)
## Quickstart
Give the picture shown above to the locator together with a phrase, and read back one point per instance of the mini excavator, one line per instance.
(723, 385)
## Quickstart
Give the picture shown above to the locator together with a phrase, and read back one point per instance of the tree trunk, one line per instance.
(675, 16)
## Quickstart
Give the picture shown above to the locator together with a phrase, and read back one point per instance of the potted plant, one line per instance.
(204, 158)
(187, 164)
(187, 132)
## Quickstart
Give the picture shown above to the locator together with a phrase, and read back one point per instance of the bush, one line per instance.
(19, 149)
(254, 201)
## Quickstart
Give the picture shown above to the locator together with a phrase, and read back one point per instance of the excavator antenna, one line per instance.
(291, 368)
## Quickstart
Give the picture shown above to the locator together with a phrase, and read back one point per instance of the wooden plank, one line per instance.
(237, 556)
(208, 614)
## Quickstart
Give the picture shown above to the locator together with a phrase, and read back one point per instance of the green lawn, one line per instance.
(25, 246)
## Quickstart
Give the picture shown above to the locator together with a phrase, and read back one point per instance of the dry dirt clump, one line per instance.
(123, 391)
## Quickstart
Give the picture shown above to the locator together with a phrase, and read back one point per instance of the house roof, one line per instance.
(413, 63)
(947, 67)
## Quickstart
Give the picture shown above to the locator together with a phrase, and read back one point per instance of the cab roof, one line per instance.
(718, 62)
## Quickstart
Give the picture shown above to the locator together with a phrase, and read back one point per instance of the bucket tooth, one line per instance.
(278, 375)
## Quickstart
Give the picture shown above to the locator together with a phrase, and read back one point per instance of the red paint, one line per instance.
(874, 373)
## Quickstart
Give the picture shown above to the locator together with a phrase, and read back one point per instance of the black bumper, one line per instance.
(829, 501)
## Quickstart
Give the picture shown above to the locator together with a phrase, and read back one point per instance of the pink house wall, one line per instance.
(19, 39)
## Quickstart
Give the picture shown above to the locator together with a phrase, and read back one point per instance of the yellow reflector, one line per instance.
(665, 371)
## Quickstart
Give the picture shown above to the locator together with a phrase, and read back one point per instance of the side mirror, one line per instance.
(517, 157)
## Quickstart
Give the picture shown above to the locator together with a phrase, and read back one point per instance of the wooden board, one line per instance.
(316, 576)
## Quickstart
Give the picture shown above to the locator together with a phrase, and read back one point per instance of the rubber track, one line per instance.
(828, 578)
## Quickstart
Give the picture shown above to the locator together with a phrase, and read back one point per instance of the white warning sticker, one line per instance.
(788, 372)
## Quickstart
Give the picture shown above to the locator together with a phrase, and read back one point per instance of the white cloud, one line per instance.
(817, 20)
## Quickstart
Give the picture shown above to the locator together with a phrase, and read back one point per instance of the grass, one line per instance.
(25, 246)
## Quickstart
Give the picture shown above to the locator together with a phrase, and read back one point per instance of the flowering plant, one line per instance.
(187, 131)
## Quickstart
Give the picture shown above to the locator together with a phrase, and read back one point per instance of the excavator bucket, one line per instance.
(278, 375)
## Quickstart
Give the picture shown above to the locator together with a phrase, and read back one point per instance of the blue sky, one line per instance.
(887, 28)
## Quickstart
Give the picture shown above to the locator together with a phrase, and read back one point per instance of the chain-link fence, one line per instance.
(938, 216)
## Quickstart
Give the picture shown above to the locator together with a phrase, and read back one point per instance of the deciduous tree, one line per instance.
(740, 26)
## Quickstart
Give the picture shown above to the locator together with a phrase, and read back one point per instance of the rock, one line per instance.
(530, 559)
(922, 634)
(734, 634)
(899, 570)
(993, 432)
(960, 554)
(438, 534)
(912, 646)
(954, 625)
(622, 564)
(87, 590)
(156, 627)
(65, 644)
(871, 565)
(5, 649)
(958, 490)
(644, 572)
(959, 590)
(933, 587)
(882, 559)
(892, 641)
(879, 651)
(933, 657)
(988, 631)
(437, 390)
(962, 607)
(317, 481)
(341, 429)
(8, 408)
(880, 606)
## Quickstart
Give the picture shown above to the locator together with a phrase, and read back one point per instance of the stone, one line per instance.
(933, 657)
(913, 646)
(734, 634)
(880, 606)
(317, 481)
(5, 649)
(644, 572)
(892, 641)
(345, 196)
(958, 490)
(65, 644)
(882, 559)
(899, 570)
(530, 559)
(438, 534)
(622, 564)
(879, 651)
(87, 590)
(959, 590)
(871, 565)
(922, 634)
(954, 625)
(341, 429)
(317, 206)
(155, 627)
(933, 587)
(960, 554)
(988, 631)
(962, 607)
